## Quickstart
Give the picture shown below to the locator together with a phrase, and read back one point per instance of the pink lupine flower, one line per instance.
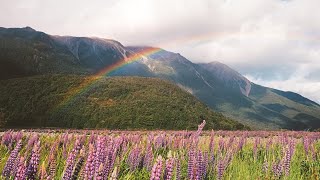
(178, 169)
(89, 166)
(169, 169)
(21, 170)
(156, 169)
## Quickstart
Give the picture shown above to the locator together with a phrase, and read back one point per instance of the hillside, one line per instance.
(114, 103)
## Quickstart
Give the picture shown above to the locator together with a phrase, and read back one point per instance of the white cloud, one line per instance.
(297, 83)
(302, 86)
(269, 40)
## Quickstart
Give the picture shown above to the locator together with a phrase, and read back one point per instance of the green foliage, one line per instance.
(115, 103)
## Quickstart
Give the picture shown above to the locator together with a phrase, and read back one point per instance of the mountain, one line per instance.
(76, 101)
(227, 91)
(26, 52)
(228, 77)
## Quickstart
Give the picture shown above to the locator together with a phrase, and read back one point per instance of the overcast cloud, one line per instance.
(272, 42)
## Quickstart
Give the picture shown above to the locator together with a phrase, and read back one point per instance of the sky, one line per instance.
(275, 43)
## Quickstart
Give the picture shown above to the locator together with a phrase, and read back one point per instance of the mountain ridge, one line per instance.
(216, 84)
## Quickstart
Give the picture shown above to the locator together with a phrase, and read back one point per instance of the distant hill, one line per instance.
(114, 103)
(26, 52)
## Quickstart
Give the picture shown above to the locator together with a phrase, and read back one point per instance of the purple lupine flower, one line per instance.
(229, 156)
(268, 144)
(200, 127)
(89, 167)
(117, 144)
(65, 143)
(288, 157)
(200, 167)
(230, 142)
(71, 161)
(136, 139)
(53, 149)
(255, 147)
(292, 146)
(106, 147)
(211, 144)
(32, 140)
(148, 158)
(169, 142)
(124, 149)
(191, 157)
(78, 166)
(134, 158)
(223, 162)
(241, 143)
(205, 164)
(212, 159)
(177, 143)
(11, 160)
(91, 138)
(21, 170)
(15, 166)
(111, 154)
(156, 169)
(286, 162)
(178, 169)
(18, 136)
(221, 168)
(221, 145)
(6, 138)
(34, 161)
(99, 156)
(169, 169)
(285, 139)
(159, 141)
(198, 132)
(277, 169)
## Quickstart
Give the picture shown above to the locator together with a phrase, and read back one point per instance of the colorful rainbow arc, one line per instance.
(85, 85)
(88, 82)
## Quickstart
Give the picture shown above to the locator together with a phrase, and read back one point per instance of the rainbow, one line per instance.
(72, 93)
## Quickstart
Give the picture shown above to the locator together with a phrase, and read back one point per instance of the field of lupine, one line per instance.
(97, 154)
